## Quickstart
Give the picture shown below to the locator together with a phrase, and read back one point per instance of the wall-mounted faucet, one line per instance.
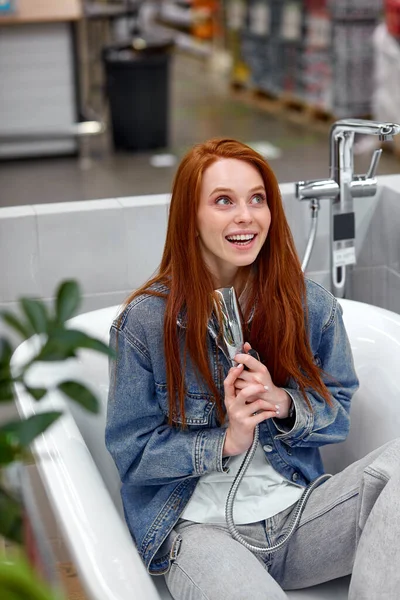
(342, 187)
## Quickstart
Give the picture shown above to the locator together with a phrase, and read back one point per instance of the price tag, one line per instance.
(236, 12)
(344, 256)
(291, 22)
(318, 31)
(260, 18)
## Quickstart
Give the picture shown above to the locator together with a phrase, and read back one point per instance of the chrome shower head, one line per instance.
(232, 334)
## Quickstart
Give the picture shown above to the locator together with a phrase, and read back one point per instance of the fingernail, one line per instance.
(266, 387)
(277, 412)
(277, 406)
(239, 365)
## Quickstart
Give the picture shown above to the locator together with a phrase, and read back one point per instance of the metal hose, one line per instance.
(232, 343)
(297, 511)
(314, 206)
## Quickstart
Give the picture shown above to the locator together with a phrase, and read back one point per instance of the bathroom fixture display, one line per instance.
(82, 482)
(341, 189)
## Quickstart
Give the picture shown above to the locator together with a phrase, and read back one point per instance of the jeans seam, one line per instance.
(175, 564)
(374, 473)
(328, 508)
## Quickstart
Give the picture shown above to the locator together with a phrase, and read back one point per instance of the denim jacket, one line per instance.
(160, 465)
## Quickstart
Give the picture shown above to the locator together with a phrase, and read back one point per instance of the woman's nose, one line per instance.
(243, 214)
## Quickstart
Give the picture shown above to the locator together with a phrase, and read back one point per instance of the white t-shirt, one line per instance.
(262, 493)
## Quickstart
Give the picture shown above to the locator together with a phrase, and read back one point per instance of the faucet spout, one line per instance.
(342, 140)
(365, 127)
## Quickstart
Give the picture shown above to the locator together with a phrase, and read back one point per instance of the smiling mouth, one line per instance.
(241, 240)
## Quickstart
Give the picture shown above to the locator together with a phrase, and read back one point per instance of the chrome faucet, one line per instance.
(342, 187)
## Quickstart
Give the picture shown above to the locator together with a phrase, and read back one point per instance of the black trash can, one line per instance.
(137, 84)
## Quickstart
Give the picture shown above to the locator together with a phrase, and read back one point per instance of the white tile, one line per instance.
(146, 200)
(18, 254)
(321, 277)
(393, 291)
(87, 245)
(145, 231)
(369, 251)
(391, 228)
(58, 208)
(96, 301)
(6, 331)
(370, 285)
(298, 214)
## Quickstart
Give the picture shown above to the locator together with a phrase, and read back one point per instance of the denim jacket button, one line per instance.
(267, 448)
(295, 476)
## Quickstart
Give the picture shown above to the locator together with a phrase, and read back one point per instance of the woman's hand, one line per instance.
(246, 407)
(258, 374)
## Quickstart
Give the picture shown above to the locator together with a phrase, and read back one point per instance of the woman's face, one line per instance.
(233, 217)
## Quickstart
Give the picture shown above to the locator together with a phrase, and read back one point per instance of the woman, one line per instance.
(180, 418)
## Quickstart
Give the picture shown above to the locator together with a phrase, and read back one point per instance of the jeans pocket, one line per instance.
(371, 486)
(175, 548)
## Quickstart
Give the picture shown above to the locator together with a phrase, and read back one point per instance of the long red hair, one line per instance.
(276, 287)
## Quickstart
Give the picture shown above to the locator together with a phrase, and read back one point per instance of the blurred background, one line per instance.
(100, 99)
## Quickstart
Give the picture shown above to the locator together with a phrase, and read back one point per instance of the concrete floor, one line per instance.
(202, 106)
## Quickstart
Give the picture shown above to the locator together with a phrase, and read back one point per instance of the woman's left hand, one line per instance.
(258, 373)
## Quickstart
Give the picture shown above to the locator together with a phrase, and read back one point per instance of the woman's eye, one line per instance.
(222, 200)
(258, 199)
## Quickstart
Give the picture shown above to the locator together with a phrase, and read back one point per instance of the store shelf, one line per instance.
(287, 107)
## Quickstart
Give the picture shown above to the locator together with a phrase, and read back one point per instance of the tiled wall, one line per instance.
(112, 246)
(109, 246)
(375, 278)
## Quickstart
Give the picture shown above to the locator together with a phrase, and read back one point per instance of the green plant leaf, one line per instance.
(18, 581)
(10, 517)
(36, 393)
(9, 451)
(78, 339)
(6, 381)
(36, 314)
(6, 390)
(68, 300)
(5, 351)
(54, 350)
(20, 327)
(81, 394)
(24, 432)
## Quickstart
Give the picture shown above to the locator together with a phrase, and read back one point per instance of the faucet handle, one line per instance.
(366, 185)
(374, 164)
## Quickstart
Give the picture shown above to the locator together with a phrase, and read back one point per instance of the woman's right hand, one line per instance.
(245, 410)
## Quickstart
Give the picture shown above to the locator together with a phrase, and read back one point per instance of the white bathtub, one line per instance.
(83, 484)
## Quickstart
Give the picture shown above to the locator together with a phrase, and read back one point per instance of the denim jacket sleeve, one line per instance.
(144, 447)
(324, 423)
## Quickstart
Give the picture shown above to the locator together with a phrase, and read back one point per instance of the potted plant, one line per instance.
(54, 341)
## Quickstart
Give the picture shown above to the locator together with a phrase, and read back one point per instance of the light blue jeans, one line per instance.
(351, 524)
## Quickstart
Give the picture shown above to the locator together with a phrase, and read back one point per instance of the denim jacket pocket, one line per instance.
(198, 406)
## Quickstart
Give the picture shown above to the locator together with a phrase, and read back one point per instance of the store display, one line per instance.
(352, 53)
(386, 76)
(318, 52)
(355, 9)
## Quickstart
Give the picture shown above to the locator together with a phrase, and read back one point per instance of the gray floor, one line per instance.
(202, 106)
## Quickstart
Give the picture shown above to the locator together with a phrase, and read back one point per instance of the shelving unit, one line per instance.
(310, 60)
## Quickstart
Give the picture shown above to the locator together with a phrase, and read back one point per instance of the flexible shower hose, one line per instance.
(297, 511)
